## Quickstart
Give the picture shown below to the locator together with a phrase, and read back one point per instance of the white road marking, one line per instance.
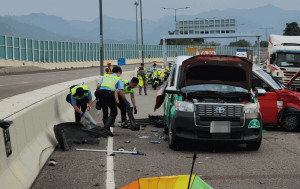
(110, 172)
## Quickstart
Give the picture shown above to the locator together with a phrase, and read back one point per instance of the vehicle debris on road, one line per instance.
(134, 152)
(155, 142)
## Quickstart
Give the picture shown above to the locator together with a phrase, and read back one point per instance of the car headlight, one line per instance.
(184, 106)
(252, 108)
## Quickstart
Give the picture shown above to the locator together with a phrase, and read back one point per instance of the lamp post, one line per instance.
(137, 31)
(142, 34)
(101, 38)
(175, 9)
(267, 29)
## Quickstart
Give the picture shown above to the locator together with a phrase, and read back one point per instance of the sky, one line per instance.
(88, 10)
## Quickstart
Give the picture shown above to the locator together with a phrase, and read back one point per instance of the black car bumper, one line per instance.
(184, 126)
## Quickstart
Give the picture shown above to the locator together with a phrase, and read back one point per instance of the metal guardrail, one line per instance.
(23, 49)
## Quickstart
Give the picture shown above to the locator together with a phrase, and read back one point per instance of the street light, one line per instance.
(137, 31)
(267, 28)
(175, 9)
(142, 34)
(101, 38)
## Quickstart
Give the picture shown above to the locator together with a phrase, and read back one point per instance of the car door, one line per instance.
(268, 103)
(170, 97)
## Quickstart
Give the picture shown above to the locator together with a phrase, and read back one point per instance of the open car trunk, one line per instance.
(212, 69)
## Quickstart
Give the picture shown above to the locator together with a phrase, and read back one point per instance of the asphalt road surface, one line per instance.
(17, 84)
(275, 165)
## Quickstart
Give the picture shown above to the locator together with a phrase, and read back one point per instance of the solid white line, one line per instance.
(110, 172)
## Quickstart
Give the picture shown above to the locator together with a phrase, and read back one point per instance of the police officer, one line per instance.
(108, 69)
(81, 100)
(128, 89)
(168, 69)
(143, 79)
(109, 86)
(153, 67)
(143, 67)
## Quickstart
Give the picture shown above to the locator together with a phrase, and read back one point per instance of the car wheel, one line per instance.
(290, 122)
(166, 129)
(173, 140)
(253, 146)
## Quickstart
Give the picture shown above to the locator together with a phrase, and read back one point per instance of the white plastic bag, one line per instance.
(88, 121)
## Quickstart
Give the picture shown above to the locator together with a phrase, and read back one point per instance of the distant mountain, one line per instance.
(12, 27)
(121, 31)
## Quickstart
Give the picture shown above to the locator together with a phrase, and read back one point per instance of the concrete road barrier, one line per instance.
(32, 138)
(63, 65)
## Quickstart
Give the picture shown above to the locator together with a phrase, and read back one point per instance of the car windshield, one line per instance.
(213, 87)
(271, 79)
(288, 59)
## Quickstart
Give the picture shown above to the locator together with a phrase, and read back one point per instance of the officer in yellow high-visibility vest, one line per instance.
(143, 79)
(108, 69)
(109, 86)
(81, 100)
(128, 89)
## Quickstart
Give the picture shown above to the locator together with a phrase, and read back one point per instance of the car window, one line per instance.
(173, 77)
(258, 83)
(271, 79)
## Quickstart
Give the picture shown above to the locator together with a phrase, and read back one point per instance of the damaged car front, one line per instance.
(211, 100)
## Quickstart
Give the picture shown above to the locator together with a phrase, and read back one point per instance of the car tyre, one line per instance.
(173, 140)
(289, 122)
(253, 145)
(166, 129)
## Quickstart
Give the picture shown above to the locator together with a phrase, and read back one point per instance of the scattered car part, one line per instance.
(134, 152)
(70, 133)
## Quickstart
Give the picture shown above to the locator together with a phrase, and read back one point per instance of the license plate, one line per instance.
(220, 127)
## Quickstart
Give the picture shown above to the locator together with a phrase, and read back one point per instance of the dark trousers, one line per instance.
(108, 101)
(82, 105)
(122, 107)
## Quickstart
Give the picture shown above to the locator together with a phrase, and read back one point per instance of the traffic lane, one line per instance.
(221, 165)
(17, 84)
(76, 169)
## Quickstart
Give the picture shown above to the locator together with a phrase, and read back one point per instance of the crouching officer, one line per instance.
(81, 100)
(108, 95)
(123, 102)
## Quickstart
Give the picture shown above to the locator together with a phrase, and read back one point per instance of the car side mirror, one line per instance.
(261, 92)
(171, 90)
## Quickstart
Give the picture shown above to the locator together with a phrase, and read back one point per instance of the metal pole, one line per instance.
(142, 35)
(165, 51)
(258, 50)
(5, 46)
(175, 15)
(101, 39)
(137, 25)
